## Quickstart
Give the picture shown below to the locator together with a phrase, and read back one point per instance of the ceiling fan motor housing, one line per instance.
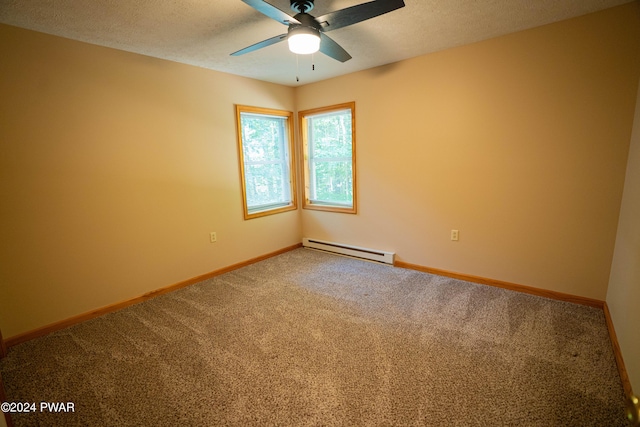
(306, 21)
(301, 6)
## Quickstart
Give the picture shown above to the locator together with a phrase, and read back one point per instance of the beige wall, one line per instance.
(114, 169)
(623, 295)
(519, 142)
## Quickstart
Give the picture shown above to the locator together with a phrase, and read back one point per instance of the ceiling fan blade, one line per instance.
(333, 49)
(358, 13)
(260, 45)
(271, 11)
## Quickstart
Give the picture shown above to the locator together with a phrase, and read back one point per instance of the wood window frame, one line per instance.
(293, 205)
(302, 123)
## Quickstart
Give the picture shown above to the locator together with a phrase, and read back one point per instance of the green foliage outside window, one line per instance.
(265, 160)
(330, 158)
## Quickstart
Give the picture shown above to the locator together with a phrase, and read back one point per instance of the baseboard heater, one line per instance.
(354, 251)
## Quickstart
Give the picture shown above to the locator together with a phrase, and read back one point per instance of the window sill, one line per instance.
(330, 208)
(266, 212)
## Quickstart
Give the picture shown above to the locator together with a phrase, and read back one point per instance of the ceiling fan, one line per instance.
(306, 32)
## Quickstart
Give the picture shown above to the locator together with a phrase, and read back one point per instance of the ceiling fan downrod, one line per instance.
(301, 6)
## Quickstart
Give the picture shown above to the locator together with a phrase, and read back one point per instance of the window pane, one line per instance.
(332, 182)
(265, 184)
(331, 135)
(263, 138)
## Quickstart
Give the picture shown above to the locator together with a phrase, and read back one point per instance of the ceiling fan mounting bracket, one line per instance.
(301, 6)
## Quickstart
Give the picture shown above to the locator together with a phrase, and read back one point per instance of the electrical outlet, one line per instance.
(454, 235)
(213, 237)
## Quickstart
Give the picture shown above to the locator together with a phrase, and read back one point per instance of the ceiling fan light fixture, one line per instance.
(303, 40)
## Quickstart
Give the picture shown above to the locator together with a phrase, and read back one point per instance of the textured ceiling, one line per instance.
(205, 32)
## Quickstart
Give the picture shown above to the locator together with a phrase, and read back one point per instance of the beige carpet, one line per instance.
(308, 338)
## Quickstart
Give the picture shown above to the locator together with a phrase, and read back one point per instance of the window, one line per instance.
(328, 140)
(265, 141)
